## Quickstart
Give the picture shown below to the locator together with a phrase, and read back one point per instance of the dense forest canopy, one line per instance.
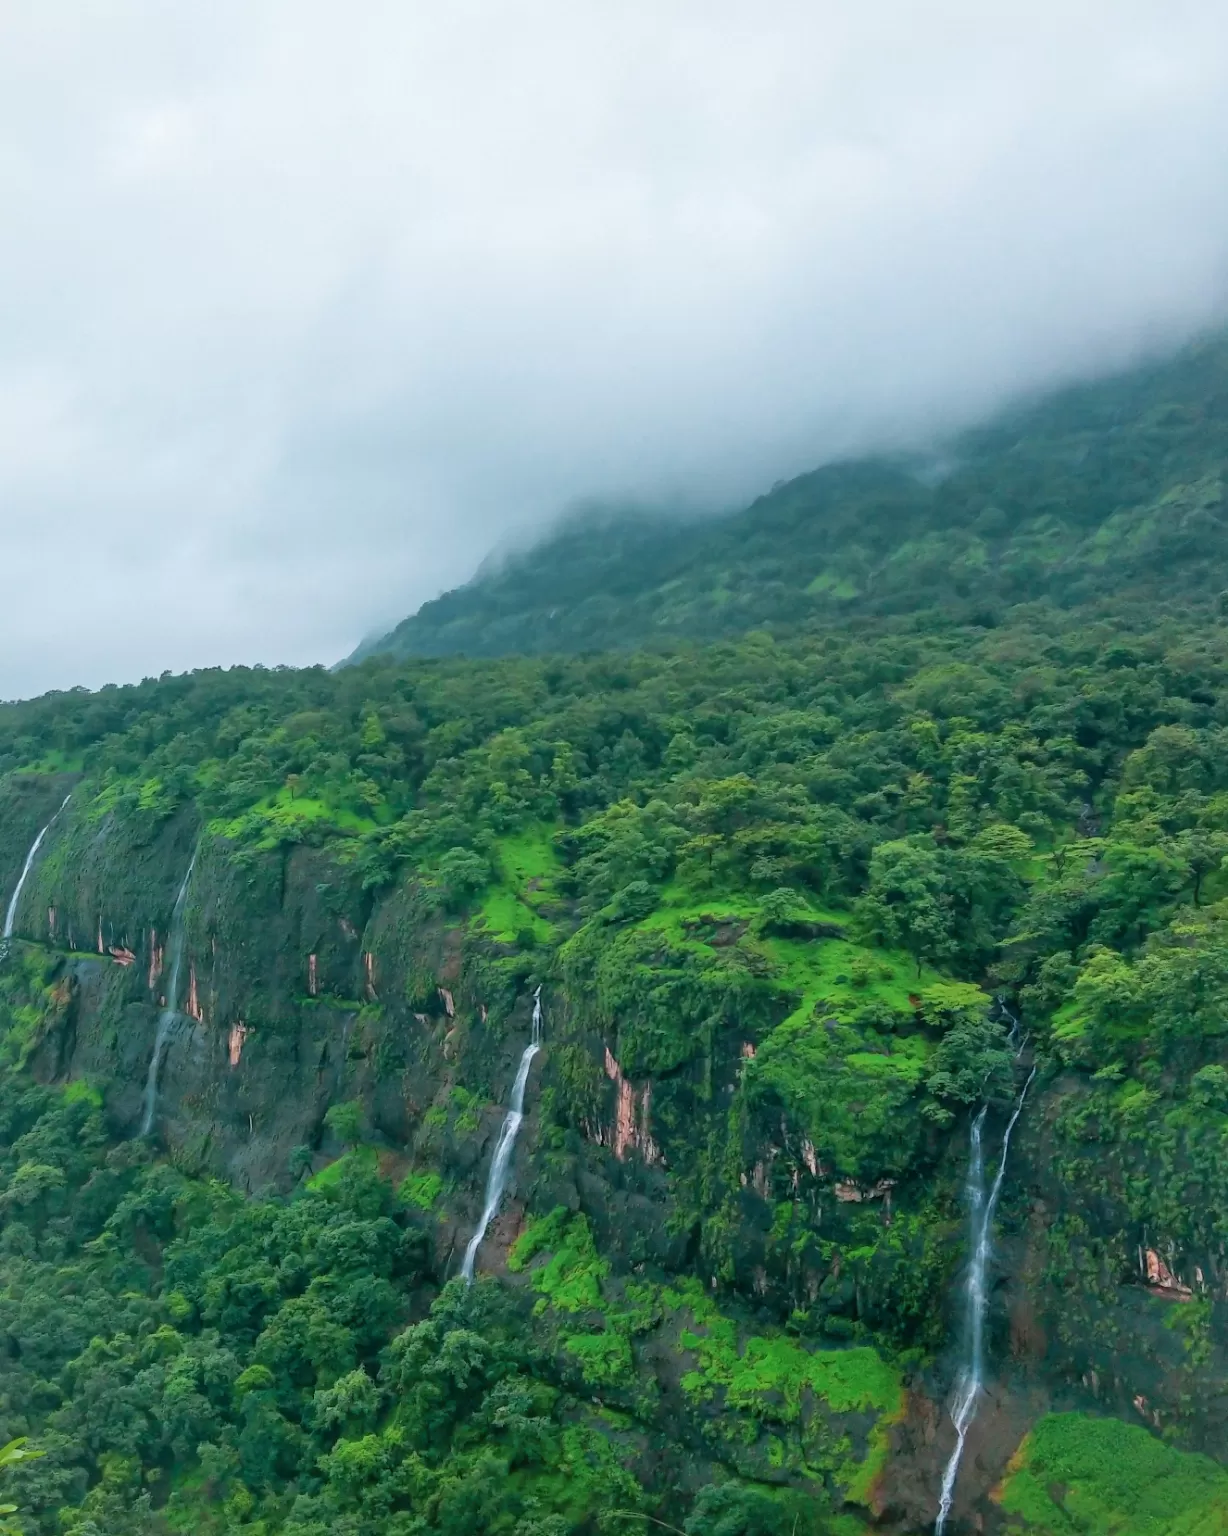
(1105, 493)
(915, 777)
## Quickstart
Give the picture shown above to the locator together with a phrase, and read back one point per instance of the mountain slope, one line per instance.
(806, 913)
(1110, 490)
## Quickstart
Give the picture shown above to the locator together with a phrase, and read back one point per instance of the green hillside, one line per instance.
(1113, 491)
(798, 901)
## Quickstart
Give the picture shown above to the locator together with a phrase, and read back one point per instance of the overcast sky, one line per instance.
(305, 307)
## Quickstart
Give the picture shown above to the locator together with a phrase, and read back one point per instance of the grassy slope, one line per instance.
(511, 907)
(1100, 1477)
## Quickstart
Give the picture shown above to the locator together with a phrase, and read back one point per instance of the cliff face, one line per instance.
(299, 991)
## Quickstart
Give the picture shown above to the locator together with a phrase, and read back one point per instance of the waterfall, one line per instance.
(1015, 1039)
(347, 1025)
(166, 1019)
(496, 1180)
(976, 1296)
(10, 917)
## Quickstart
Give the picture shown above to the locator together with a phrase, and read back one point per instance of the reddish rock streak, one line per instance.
(193, 1009)
(632, 1130)
(847, 1190)
(1161, 1279)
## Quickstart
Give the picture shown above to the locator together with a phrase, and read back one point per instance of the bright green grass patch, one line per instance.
(154, 797)
(284, 818)
(768, 1376)
(107, 798)
(421, 1190)
(467, 1107)
(851, 1055)
(837, 971)
(55, 761)
(82, 1092)
(605, 1358)
(847, 975)
(527, 868)
(680, 903)
(829, 584)
(506, 916)
(31, 1000)
(1122, 531)
(859, 1478)
(571, 1278)
(1100, 1477)
(571, 1281)
(852, 1058)
(330, 1176)
(847, 1525)
(528, 857)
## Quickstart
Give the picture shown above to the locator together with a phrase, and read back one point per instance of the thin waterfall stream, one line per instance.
(166, 1019)
(496, 1180)
(976, 1295)
(10, 916)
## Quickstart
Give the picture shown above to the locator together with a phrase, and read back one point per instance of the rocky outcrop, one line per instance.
(631, 1130)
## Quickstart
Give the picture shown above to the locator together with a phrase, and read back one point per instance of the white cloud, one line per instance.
(303, 308)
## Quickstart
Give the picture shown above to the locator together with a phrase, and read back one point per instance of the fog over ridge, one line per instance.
(304, 313)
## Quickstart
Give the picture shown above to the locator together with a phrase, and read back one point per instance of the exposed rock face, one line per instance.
(632, 1116)
(192, 1007)
(847, 1190)
(238, 1034)
(1161, 1279)
(302, 991)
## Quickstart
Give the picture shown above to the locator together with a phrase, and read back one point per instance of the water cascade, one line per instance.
(496, 1180)
(1015, 1039)
(976, 1296)
(10, 917)
(166, 1019)
(347, 1025)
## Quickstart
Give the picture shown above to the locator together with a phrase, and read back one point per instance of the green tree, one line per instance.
(346, 1121)
(908, 902)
